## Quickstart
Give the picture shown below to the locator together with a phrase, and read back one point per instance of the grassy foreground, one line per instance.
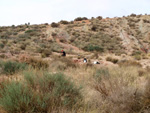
(63, 87)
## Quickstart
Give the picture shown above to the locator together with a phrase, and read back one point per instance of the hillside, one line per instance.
(83, 37)
(35, 78)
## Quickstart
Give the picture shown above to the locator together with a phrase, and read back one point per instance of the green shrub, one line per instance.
(33, 32)
(93, 48)
(13, 26)
(15, 33)
(24, 36)
(64, 22)
(54, 24)
(19, 98)
(29, 31)
(64, 92)
(137, 57)
(39, 50)
(80, 19)
(11, 67)
(2, 45)
(55, 89)
(46, 24)
(99, 17)
(133, 15)
(14, 97)
(43, 94)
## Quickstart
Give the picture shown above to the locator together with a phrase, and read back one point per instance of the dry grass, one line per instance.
(113, 90)
(122, 89)
(34, 62)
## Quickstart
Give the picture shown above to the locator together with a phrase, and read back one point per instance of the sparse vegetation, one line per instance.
(34, 77)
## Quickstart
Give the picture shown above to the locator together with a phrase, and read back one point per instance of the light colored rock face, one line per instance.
(129, 41)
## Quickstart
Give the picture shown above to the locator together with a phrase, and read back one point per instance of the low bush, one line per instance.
(46, 53)
(133, 15)
(94, 28)
(54, 24)
(3, 56)
(23, 46)
(63, 91)
(16, 97)
(99, 17)
(40, 93)
(93, 48)
(80, 19)
(136, 52)
(37, 63)
(15, 33)
(56, 90)
(29, 31)
(142, 72)
(2, 45)
(137, 57)
(64, 22)
(146, 21)
(33, 32)
(113, 60)
(24, 36)
(54, 34)
(11, 67)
